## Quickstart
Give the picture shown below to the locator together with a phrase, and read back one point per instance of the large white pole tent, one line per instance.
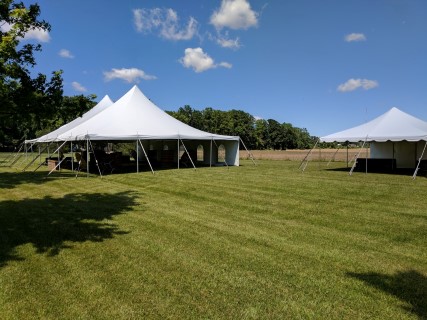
(158, 136)
(397, 139)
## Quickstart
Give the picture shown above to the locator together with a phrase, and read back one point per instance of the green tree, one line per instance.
(261, 134)
(69, 109)
(25, 101)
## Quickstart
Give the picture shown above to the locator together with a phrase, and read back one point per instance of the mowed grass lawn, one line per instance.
(264, 242)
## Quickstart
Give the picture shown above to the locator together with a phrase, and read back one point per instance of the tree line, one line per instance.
(256, 133)
(32, 105)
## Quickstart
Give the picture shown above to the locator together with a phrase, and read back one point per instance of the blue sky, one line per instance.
(321, 65)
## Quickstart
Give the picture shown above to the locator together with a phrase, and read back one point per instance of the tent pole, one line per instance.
(137, 156)
(188, 154)
(333, 157)
(13, 154)
(16, 156)
(58, 165)
(24, 155)
(26, 167)
(357, 156)
(87, 157)
(94, 156)
(306, 159)
(419, 161)
(393, 152)
(416, 151)
(210, 158)
(347, 154)
(178, 151)
(366, 163)
(145, 154)
(250, 154)
(72, 157)
(41, 163)
(59, 159)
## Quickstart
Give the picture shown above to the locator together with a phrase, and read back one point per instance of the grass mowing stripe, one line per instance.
(247, 242)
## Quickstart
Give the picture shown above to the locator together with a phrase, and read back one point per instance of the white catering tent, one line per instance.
(135, 118)
(394, 135)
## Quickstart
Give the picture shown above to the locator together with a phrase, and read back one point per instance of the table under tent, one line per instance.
(396, 141)
(156, 139)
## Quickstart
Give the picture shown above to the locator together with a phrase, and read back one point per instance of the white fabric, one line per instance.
(133, 117)
(52, 136)
(394, 125)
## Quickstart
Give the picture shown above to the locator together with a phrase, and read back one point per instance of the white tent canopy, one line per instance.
(394, 125)
(396, 138)
(133, 117)
(53, 136)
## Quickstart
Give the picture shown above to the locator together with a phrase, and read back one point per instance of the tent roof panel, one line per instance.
(133, 117)
(394, 125)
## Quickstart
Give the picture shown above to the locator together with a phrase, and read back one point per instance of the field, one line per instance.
(248, 242)
(298, 155)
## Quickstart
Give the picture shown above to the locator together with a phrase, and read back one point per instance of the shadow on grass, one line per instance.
(11, 179)
(397, 172)
(52, 224)
(409, 286)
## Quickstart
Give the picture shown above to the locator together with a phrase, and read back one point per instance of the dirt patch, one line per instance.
(298, 155)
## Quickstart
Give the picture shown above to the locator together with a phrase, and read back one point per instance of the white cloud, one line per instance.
(36, 34)
(64, 53)
(225, 65)
(128, 75)
(234, 14)
(78, 87)
(353, 84)
(353, 37)
(199, 61)
(225, 42)
(166, 21)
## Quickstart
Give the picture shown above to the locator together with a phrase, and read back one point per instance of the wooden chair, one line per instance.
(82, 162)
